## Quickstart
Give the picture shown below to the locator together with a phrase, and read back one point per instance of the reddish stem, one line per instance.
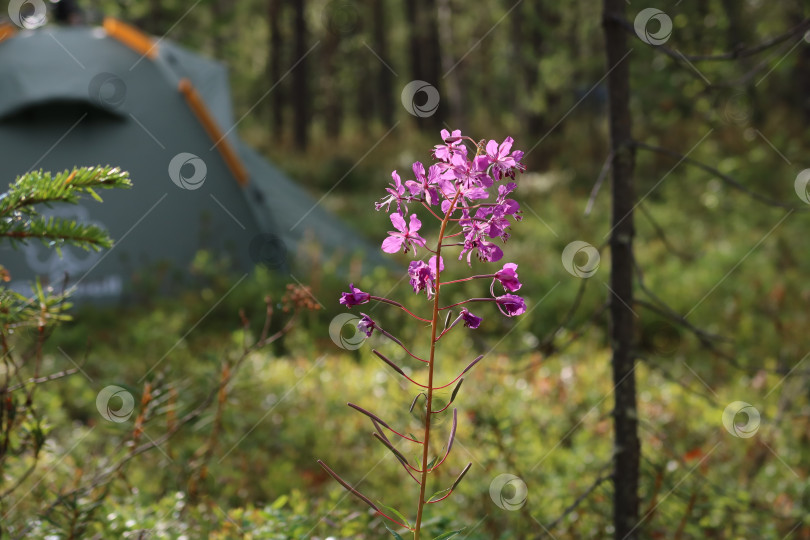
(468, 301)
(443, 498)
(400, 306)
(429, 209)
(488, 276)
(434, 323)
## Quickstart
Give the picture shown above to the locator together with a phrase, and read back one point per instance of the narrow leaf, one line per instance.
(449, 534)
(437, 495)
(398, 514)
(432, 461)
(393, 532)
(280, 502)
(94, 194)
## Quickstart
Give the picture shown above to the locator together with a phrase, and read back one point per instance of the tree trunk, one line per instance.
(221, 27)
(530, 22)
(364, 92)
(626, 446)
(424, 49)
(455, 106)
(330, 85)
(274, 67)
(801, 71)
(385, 93)
(735, 36)
(300, 97)
(431, 55)
(412, 9)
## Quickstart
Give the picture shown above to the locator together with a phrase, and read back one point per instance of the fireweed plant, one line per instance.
(472, 193)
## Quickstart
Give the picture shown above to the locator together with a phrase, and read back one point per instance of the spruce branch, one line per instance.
(20, 220)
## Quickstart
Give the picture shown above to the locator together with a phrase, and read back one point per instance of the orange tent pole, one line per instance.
(214, 132)
(131, 37)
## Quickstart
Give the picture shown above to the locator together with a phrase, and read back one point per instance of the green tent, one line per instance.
(73, 96)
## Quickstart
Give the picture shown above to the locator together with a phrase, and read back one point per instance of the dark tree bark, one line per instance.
(735, 36)
(424, 50)
(626, 446)
(801, 71)
(221, 11)
(364, 91)
(455, 105)
(412, 10)
(431, 50)
(431, 55)
(699, 33)
(274, 66)
(385, 93)
(331, 94)
(529, 43)
(300, 79)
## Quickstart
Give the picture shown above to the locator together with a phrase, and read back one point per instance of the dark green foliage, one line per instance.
(19, 221)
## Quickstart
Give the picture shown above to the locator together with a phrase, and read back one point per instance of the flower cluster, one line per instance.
(471, 194)
(456, 184)
(467, 191)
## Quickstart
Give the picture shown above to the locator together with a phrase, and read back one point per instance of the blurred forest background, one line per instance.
(721, 285)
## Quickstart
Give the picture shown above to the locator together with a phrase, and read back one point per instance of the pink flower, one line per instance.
(499, 158)
(424, 185)
(511, 305)
(508, 277)
(423, 276)
(470, 320)
(406, 236)
(444, 151)
(366, 325)
(396, 193)
(355, 297)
